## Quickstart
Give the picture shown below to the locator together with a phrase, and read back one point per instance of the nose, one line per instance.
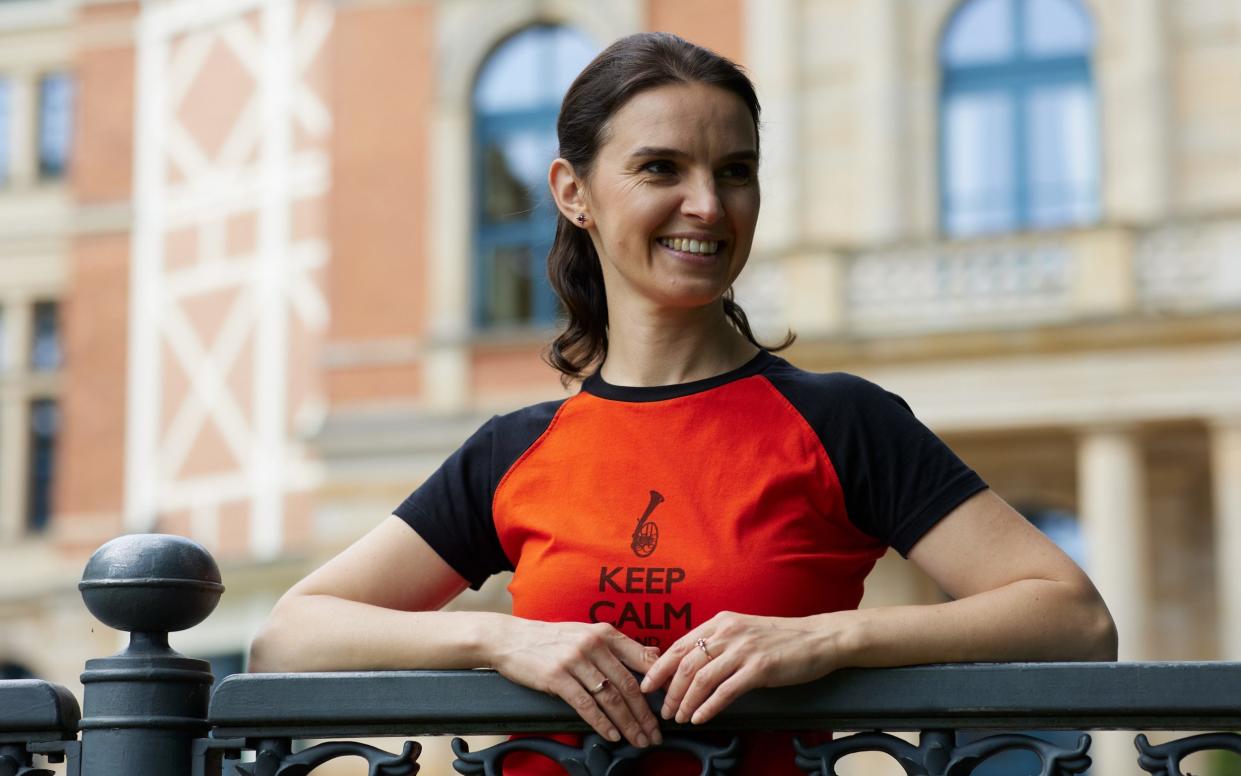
(702, 200)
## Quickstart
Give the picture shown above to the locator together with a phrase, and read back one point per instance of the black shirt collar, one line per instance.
(597, 386)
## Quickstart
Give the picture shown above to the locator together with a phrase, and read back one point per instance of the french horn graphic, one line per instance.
(646, 534)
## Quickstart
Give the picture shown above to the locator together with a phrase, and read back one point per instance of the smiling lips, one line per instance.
(685, 245)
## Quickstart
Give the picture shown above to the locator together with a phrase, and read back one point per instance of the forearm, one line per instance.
(1031, 619)
(326, 633)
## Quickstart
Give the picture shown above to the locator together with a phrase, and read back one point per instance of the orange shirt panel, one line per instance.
(655, 516)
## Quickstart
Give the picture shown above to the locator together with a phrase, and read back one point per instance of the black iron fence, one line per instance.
(149, 710)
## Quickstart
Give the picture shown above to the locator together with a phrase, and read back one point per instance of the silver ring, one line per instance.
(702, 644)
(598, 688)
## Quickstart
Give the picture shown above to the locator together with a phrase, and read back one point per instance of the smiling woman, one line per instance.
(677, 174)
(701, 512)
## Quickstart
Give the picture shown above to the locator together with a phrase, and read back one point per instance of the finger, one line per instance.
(704, 683)
(624, 682)
(611, 699)
(623, 656)
(742, 681)
(666, 665)
(682, 676)
(584, 704)
(634, 655)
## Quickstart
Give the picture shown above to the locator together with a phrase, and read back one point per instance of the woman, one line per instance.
(701, 513)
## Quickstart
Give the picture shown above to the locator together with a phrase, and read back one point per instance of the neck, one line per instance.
(661, 346)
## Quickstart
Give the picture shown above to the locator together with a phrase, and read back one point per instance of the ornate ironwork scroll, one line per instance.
(276, 758)
(1165, 759)
(937, 753)
(595, 757)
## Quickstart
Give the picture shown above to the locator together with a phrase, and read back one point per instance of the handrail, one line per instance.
(998, 696)
(35, 710)
(148, 709)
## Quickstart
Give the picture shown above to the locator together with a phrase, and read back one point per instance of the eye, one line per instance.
(739, 172)
(659, 167)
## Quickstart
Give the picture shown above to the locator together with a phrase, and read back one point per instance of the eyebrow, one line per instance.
(746, 155)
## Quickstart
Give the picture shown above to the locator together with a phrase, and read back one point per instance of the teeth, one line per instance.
(701, 247)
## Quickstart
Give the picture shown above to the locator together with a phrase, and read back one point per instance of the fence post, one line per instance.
(144, 706)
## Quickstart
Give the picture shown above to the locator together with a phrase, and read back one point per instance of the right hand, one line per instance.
(569, 659)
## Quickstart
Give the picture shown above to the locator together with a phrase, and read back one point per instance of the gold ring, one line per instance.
(702, 644)
(598, 688)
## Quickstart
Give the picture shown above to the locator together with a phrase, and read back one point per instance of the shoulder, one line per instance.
(508, 435)
(532, 419)
(814, 393)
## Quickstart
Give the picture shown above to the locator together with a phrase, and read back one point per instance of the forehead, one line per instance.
(683, 116)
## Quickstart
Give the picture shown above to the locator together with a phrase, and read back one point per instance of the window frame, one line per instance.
(1017, 77)
(536, 233)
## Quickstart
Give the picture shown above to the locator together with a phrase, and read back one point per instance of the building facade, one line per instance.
(265, 263)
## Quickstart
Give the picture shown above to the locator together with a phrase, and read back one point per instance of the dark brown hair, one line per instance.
(630, 65)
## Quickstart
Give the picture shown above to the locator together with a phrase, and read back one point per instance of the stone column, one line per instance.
(1112, 500)
(772, 36)
(449, 268)
(1112, 503)
(1226, 487)
(24, 126)
(14, 420)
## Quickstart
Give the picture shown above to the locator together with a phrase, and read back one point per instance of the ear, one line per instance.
(569, 191)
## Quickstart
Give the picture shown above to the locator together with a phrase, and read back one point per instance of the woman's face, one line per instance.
(673, 195)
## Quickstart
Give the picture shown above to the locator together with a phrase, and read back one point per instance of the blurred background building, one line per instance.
(265, 263)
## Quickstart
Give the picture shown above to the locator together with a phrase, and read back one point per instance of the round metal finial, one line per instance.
(151, 583)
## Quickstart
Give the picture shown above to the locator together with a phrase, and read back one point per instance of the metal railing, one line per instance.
(149, 710)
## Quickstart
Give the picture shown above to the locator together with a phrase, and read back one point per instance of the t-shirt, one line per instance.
(766, 490)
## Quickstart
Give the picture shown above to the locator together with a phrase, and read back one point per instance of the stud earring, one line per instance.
(581, 219)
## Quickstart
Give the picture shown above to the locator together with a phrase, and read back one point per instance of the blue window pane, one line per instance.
(573, 52)
(55, 124)
(980, 31)
(511, 79)
(44, 424)
(1063, 156)
(515, 173)
(532, 69)
(978, 163)
(1056, 28)
(1065, 530)
(512, 284)
(6, 151)
(45, 345)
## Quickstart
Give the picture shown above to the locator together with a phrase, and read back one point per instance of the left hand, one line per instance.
(746, 651)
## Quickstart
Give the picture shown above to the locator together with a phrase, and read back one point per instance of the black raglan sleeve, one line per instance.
(451, 510)
(899, 479)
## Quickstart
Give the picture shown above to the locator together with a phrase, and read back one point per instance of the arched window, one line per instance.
(11, 670)
(1018, 129)
(516, 100)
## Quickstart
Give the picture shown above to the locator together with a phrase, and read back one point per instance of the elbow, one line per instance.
(1105, 645)
(1101, 640)
(261, 651)
(272, 649)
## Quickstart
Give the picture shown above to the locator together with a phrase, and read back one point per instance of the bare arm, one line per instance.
(374, 607)
(1017, 597)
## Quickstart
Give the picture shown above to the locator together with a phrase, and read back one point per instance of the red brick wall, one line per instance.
(383, 75)
(715, 24)
(90, 458)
